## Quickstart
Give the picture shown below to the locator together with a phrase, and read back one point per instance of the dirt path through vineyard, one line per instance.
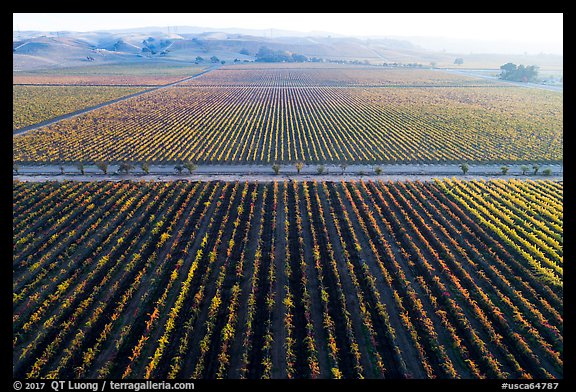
(404, 172)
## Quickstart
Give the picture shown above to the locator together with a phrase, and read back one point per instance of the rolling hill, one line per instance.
(36, 50)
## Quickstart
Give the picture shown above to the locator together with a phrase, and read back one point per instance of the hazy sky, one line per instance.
(543, 30)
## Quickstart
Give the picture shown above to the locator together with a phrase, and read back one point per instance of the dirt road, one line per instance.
(286, 172)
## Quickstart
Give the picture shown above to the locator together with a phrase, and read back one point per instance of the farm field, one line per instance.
(290, 75)
(436, 279)
(34, 104)
(154, 68)
(93, 80)
(109, 75)
(283, 115)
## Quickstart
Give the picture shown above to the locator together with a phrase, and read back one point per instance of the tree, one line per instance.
(547, 171)
(125, 167)
(535, 167)
(61, 166)
(179, 167)
(191, 166)
(343, 166)
(145, 167)
(199, 59)
(299, 166)
(80, 167)
(102, 166)
(524, 169)
(507, 70)
(464, 168)
(16, 167)
(276, 168)
(531, 73)
(378, 170)
(299, 58)
(320, 169)
(214, 59)
(504, 169)
(459, 61)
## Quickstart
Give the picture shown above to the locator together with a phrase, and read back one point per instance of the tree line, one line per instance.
(520, 73)
(268, 55)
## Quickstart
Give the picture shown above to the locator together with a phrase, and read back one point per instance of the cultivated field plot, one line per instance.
(246, 124)
(260, 75)
(94, 80)
(444, 279)
(34, 104)
(109, 75)
(154, 67)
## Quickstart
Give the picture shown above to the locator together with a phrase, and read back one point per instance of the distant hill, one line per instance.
(34, 50)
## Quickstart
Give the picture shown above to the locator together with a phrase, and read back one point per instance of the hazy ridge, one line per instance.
(33, 50)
